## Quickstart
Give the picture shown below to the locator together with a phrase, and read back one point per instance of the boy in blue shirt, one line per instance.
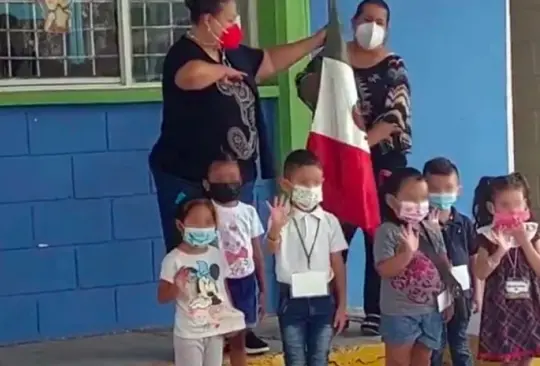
(458, 232)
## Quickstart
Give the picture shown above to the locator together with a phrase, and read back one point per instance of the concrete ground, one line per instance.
(139, 348)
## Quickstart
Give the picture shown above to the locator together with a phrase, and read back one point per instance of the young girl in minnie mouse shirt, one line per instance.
(509, 261)
(194, 275)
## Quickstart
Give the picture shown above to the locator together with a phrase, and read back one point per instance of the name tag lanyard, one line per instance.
(513, 262)
(307, 253)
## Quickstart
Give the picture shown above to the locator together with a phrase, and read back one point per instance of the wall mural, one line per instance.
(57, 15)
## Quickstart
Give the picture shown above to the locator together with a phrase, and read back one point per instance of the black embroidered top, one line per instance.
(383, 95)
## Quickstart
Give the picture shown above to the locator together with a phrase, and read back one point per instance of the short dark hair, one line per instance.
(392, 185)
(299, 158)
(381, 3)
(440, 166)
(198, 8)
(223, 158)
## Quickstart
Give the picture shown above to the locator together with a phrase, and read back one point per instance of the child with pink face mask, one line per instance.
(411, 323)
(509, 261)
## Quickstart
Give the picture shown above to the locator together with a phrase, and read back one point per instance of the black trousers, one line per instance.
(372, 280)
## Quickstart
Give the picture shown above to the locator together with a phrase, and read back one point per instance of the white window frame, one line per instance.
(125, 51)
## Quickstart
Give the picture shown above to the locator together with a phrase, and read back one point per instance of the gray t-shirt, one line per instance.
(415, 290)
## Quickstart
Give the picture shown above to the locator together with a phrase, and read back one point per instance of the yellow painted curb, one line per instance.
(371, 354)
(366, 354)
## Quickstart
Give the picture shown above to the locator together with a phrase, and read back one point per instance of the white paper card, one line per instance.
(516, 287)
(309, 284)
(444, 300)
(462, 275)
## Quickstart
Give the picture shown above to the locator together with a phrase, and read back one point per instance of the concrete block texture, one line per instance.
(80, 233)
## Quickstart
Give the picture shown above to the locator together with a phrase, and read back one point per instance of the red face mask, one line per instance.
(231, 37)
(505, 220)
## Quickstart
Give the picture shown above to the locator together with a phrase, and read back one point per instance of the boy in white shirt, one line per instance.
(240, 230)
(307, 243)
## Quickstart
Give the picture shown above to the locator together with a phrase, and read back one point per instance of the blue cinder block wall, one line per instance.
(80, 243)
(456, 55)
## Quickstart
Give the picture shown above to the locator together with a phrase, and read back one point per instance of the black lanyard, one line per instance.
(310, 253)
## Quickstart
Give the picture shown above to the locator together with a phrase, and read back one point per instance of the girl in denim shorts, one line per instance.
(411, 324)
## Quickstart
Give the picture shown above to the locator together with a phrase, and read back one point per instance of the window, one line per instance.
(51, 42)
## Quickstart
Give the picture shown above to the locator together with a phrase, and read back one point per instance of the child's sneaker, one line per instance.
(370, 325)
(255, 345)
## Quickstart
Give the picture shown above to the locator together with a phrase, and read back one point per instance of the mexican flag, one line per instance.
(349, 188)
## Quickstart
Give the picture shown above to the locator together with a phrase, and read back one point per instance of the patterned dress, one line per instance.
(510, 328)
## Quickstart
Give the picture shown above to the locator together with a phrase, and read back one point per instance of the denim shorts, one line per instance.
(407, 329)
(244, 297)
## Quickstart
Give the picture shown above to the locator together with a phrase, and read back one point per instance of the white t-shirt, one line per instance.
(319, 231)
(237, 226)
(203, 308)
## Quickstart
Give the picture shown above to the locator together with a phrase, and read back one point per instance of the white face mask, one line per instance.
(370, 35)
(306, 198)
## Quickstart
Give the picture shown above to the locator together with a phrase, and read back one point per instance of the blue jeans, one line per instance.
(306, 326)
(168, 188)
(455, 335)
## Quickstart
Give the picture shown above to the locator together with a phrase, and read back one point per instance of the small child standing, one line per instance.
(411, 324)
(240, 230)
(509, 261)
(307, 243)
(458, 232)
(193, 275)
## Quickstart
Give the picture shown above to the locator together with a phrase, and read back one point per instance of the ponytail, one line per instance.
(482, 195)
(488, 187)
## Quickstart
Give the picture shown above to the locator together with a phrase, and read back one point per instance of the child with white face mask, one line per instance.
(307, 243)
(384, 112)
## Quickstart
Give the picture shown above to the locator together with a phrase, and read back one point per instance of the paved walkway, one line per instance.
(141, 348)
(154, 348)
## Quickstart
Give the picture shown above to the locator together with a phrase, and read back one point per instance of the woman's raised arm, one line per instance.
(280, 58)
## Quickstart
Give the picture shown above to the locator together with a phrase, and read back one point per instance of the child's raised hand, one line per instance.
(409, 237)
(180, 280)
(502, 240)
(519, 233)
(279, 212)
(434, 216)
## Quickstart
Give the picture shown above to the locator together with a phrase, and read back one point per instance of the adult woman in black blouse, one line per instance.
(211, 105)
(384, 105)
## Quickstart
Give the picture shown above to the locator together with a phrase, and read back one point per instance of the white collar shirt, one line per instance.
(316, 235)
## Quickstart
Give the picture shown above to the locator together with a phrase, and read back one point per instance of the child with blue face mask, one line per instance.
(442, 177)
(193, 274)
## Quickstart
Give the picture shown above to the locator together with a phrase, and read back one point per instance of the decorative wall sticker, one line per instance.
(57, 15)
